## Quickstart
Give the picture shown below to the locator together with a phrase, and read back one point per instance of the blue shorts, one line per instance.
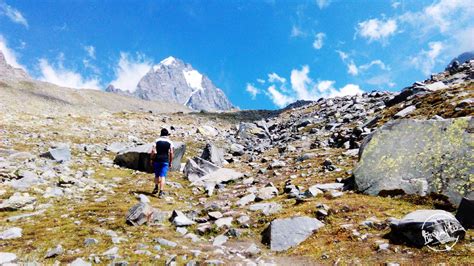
(161, 169)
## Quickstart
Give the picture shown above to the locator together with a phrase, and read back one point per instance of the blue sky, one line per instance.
(262, 54)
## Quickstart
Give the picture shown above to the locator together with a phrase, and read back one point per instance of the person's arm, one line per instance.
(152, 154)
(171, 155)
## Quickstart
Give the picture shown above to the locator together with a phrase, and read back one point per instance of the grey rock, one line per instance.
(53, 252)
(165, 242)
(139, 214)
(283, 234)
(227, 222)
(90, 241)
(25, 215)
(418, 157)
(330, 186)
(7, 257)
(246, 199)
(237, 149)
(11, 233)
(313, 191)
(266, 208)
(179, 219)
(465, 213)
(220, 176)
(408, 110)
(267, 192)
(60, 154)
(16, 202)
(219, 240)
(116, 147)
(138, 158)
(26, 181)
(214, 154)
(428, 227)
(111, 253)
(196, 168)
(215, 215)
(80, 262)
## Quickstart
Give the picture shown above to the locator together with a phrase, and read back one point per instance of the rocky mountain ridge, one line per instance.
(9, 72)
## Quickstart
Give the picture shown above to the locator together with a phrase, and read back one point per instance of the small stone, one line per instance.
(90, 241)
(165, 242)
(224, 222)
(219, 240)
(6, 257)
(215, 215)
(11, 233)
(58, 250)
(80, 262)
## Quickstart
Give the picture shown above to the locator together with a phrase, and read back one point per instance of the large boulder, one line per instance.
(214, 154)
(419, 157)
(465, 213)
(283, 234)
(196, 168)
(138, 158)
(428, 227)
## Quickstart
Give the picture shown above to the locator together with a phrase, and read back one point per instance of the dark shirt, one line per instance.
(163, 147)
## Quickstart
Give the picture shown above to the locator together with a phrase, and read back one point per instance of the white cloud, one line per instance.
(396, 4)
(300, 82)
(252, 90)
(426, 59)
(348, 90)
(278, 98)
(377, 62)
(61, 76)
(319, 41)
(13, 14)
(342, 55)
(87, 64)
(323, 3)
(129, 71)
(352, 68)
(9, 54)
(355, 70)
(304, 88)
(297, 32)
(90, 50)
(274, 77)
(261, 81)
(444, 16)
(377, 30)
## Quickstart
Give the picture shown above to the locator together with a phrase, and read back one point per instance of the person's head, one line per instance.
(164, 132)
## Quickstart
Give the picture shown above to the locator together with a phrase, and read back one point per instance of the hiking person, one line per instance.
(161, 159)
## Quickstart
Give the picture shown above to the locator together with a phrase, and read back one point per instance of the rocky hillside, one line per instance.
(175, 81)
(349, 180)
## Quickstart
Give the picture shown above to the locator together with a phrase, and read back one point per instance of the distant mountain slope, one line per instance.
(20, 93)
(9, 72)
(43, 98)
(462, 58)
(176, 81)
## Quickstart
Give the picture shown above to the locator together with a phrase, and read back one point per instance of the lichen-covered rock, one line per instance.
(138, 158)
(419, 157)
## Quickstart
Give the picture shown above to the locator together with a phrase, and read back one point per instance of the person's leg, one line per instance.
(157, 177)
(162, 178)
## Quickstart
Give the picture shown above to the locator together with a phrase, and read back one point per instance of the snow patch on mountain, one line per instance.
(193, 79)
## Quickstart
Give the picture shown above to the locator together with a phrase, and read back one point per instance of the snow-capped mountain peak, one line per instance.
(169, 61)
(176, 81)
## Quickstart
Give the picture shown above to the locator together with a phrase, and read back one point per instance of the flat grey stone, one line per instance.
(283, 234)
(11, 233)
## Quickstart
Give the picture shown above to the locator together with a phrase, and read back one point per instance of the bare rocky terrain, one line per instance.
(325, 182)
